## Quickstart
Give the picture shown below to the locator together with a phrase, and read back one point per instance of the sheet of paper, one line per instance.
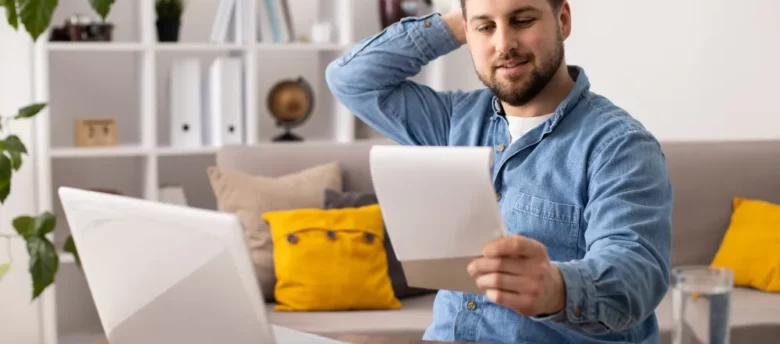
(440, 209)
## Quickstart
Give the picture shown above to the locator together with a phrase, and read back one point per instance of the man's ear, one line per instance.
(564, 20)
(465, 30)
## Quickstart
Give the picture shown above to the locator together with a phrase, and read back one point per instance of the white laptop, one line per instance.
(163, 273)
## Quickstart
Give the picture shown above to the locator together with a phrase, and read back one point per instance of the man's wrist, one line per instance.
(454, 23)
(556, 300)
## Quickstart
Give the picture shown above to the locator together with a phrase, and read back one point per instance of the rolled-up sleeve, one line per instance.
(624, 274)
(373, 81)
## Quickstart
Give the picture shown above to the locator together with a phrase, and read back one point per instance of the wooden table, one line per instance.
(364, 339)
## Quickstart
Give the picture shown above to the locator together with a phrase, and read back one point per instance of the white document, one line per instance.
(186, 103)
(440, 209)
(437, 202)
(224, 122)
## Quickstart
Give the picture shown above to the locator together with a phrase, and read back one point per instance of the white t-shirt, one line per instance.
(519, 126)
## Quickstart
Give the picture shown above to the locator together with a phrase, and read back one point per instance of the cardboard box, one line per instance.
(95, 132)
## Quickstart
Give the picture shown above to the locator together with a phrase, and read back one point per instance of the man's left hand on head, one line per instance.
(516, 272)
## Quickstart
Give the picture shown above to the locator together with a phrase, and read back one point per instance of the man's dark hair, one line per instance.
(555, 4)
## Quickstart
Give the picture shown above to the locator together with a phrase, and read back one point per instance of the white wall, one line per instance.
(689, 70)
(18, 316)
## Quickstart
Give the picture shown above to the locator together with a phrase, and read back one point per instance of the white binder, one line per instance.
(224, 122)
(186, 103)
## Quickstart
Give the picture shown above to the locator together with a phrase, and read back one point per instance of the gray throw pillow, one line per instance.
(335, 199)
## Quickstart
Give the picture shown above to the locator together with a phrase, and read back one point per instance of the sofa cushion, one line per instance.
(411, 320)
(278, 159)
(336, 199)
(754, 314)
(249, 196)
(751, 246)
(328, 260)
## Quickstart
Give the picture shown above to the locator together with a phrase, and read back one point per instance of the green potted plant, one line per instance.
(168, 19)
(35, 16)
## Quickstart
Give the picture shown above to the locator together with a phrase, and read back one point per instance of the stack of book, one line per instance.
(206, 111)
(274, 22)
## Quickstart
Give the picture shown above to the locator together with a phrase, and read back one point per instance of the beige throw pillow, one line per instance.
(250, 196)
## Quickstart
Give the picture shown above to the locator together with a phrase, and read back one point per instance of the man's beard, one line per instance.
(523, 91)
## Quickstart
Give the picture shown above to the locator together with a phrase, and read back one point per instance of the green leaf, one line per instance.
(4, 192)
(4, 269)
(102, 7)
(45, 223)
(30, 110)
(14, 144)
(44, 263)
(10, 11)
(5, 170)
(36, 15)
(70, 247)
(16, 160)
(25, 226)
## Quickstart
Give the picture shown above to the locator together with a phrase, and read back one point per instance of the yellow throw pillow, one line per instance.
(751, 246)
(328, 260)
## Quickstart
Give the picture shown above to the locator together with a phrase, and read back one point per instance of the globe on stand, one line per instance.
(291, 103)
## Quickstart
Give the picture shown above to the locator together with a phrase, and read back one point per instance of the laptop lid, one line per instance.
(163, 273)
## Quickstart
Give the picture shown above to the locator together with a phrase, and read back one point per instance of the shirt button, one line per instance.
(500, 148)
(471, 305)
(427, 23)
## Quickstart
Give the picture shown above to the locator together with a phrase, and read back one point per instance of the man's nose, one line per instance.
(504, 40)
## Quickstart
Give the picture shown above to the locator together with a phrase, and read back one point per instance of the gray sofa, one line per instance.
(705, 176)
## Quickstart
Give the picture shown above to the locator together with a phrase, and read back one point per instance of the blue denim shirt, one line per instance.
(590, 183)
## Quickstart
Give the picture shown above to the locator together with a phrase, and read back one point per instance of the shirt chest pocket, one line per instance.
(554, 224)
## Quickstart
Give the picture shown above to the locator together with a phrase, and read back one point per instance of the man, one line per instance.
(582, 186)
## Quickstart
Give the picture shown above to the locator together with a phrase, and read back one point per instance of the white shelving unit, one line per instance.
(126, 79)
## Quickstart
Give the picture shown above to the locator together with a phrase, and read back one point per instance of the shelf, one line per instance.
(189, 47)
(195, 47)
(95, 46)
(82, 338)
(302, 46)
(128, 79)
(118, 151)
(179, 151)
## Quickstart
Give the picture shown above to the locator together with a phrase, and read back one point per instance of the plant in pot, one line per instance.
(168, 19)
(35, 16)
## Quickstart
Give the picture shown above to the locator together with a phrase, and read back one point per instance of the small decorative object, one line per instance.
(95, 132)
(290, 103)
(168, 19)
(321, 32)
(82, 28)
(392, 11)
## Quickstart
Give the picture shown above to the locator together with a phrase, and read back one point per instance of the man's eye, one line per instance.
(483, 28)
(523, 22)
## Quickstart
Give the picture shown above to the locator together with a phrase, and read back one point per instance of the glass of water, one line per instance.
(701, 304)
